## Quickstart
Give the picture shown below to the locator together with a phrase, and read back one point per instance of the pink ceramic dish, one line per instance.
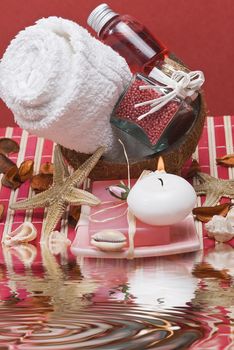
(149, 240)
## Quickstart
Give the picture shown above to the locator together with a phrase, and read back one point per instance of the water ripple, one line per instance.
(99, 326)
(156, 304)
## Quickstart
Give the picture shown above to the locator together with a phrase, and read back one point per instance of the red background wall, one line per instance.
(199, 31)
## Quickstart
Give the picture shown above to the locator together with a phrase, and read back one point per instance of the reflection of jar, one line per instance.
(156, 129)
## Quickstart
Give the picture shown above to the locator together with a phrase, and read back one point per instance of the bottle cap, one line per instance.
(100, 16)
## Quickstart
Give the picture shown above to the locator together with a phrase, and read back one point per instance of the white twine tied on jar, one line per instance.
(180, 84)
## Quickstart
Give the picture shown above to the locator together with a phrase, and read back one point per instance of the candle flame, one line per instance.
(161, 166)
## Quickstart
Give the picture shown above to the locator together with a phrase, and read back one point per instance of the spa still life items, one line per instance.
(85, 94)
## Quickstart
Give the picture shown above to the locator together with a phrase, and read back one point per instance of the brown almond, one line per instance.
(2, 207)
(26, 170)
(41, 182)
(12, 179)
(8, 146)
(205, 214)
(5, 163)
(46, 168)
(227, 160)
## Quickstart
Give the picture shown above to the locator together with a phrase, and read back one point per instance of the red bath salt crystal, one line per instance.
(153, 124)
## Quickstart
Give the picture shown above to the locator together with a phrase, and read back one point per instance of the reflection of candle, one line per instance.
(160, 198)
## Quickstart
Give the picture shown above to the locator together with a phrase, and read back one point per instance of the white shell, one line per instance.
(25, 233)
(58, 242)
(109, 240)
(220, 228)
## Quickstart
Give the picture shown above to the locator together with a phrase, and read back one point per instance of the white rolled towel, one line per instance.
(62, 84)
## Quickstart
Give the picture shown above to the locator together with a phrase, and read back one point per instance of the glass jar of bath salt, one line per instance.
(157, 114)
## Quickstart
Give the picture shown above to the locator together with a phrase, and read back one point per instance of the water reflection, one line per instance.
(214, 300)
(60, 302)
(161, 282)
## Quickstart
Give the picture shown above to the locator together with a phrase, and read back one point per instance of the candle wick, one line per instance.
(161, 180)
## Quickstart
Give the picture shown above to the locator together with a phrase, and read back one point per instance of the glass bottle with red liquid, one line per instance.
(143, 52)
(128, 37)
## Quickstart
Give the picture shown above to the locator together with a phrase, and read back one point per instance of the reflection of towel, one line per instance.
(62, 84)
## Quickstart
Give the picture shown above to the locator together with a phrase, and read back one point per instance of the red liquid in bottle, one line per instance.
(129, 38)
(134, 42)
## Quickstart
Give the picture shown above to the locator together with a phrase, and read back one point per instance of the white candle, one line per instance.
(161, 199)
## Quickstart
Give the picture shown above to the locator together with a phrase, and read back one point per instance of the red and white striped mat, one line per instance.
(216, 141)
